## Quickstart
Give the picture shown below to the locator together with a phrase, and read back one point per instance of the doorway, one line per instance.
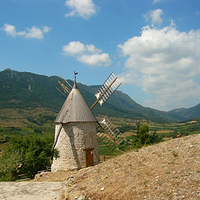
(89, 157)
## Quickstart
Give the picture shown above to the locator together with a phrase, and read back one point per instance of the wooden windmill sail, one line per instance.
(107, 133)
(63, 86)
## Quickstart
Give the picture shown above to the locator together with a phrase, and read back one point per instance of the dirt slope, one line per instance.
(169, 170)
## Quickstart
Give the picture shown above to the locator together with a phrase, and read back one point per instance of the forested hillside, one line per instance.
(186, 113)
(22, 90)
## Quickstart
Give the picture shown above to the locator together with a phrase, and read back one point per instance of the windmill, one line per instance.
(75, 131)
(113, 136)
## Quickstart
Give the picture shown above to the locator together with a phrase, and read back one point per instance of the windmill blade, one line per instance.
(105, 138)
(108, 133)
(110, 136)
(106, 90)
(113, 131)
(63, 86)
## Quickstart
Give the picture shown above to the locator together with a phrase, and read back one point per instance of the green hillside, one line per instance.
(24, 90)
(186, 113)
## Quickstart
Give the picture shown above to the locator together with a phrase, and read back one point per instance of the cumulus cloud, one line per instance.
(154, 16)
(95, 59)
(87, 54)
(165, 62)
(46, 29)
(92, 49)
(33, 32)
(74, 48)
(82, 8)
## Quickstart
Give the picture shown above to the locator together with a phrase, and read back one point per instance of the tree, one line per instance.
(144, 137)
(10, 162)
(26, 155)
(138, 126)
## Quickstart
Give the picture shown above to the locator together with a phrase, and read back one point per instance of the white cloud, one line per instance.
(74, 48)
(87, 54)
(46, 29)
(82, 8)
(154, 16)
(9, 29)
(165, 62)
(92, 49)
(33, 32)
(96, 59)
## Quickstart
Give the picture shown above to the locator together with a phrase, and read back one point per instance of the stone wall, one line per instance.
(73, 139)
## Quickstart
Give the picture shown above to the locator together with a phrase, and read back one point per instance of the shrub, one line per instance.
(144, 137)
(26, 155)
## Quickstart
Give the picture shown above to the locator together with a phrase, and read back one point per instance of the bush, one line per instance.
(37, 130)
(125, 128)
(144, 137)
(26, 155)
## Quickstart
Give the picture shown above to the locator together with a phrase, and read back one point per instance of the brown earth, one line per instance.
(169, 170)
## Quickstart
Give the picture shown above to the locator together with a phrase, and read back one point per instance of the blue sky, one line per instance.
(152, 45)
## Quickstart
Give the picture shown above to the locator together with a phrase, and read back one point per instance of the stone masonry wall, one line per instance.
(72, 140)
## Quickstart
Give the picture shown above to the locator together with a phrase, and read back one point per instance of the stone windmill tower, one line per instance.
(75, 128)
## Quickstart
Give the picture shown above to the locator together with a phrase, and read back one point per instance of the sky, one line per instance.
(153, 46)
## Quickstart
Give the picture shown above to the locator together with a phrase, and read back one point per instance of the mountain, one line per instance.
(24, 89)
(27, 90)
(186, 113)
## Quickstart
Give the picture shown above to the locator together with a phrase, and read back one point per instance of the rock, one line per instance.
(82, 197)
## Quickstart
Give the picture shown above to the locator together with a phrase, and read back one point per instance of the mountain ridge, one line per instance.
(26, 89)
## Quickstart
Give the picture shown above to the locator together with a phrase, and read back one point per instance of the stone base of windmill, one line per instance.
(70, 164)
(77, 146)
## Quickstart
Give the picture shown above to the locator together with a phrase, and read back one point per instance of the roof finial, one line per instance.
(75, 73)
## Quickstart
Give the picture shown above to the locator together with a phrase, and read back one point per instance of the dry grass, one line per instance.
(18, 117)
(169, 170)
(163, 131)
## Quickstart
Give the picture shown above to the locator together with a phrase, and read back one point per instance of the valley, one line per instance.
(29, 104)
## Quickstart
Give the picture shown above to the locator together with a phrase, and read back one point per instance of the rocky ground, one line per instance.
(169, 170)
(32, 190)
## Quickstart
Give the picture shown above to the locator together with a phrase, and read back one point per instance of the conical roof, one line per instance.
(75, 109)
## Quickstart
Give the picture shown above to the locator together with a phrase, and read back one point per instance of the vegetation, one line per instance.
(144, 137)
(126, 127)
(28, 148)
(23, 90)
(25, 156)
(26, 122)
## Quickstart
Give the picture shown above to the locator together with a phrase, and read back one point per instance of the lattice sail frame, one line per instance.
(116, 134)
(107, 89)
(63, 86)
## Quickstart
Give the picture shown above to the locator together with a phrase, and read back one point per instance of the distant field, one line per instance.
(41, 121)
